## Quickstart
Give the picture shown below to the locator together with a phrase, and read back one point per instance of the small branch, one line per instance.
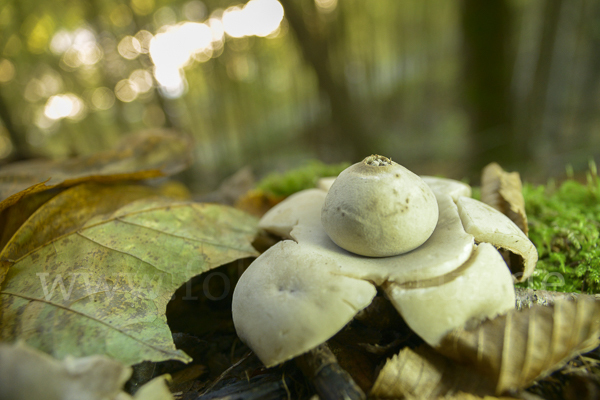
(330, 380)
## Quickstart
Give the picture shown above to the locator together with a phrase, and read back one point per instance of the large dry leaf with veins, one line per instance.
(103, 288)
(67, 212)
(520, 347)
(504, 191)
(27, 374)
(143, 156)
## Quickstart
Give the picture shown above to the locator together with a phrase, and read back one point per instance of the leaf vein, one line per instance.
(203, 241)
(121, 251)
(171, 353)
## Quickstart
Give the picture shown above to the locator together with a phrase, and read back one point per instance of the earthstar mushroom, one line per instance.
(305, 289)
(378, 208)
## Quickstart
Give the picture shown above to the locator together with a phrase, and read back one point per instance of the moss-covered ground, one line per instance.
(305, 177)
(564, 223)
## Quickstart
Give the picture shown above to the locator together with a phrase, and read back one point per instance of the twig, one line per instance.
(330, 380)
(227, 371)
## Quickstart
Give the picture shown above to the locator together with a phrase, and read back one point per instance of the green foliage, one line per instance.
(290, 182)
(564, 225)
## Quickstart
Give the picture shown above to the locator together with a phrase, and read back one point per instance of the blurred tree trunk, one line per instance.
(486, 27)
(349, 137)
(16, 135)
(588, 106)
(536, 102)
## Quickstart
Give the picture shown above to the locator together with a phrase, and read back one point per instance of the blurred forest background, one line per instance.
(442, 87)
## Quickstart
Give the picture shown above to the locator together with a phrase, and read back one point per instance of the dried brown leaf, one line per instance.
(423, 373)
(143, 156)
(504, 191)
(257, 202)
(517, 348)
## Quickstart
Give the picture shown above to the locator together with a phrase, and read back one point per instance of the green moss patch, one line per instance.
(305, 177)
(564, 222)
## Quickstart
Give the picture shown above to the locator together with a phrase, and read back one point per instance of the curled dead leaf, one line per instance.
(515, 349)
(147, 155)
(422, 373)
(504, 191)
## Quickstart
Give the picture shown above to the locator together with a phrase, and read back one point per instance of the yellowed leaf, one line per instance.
(68, 211)
(423, 373)
(103, 288)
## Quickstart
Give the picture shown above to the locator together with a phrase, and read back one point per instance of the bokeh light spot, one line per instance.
(61, 41)
(234, 23)
(129, 47)
(78, 48)
(172, 81)
(13, 46)
(121, 15)
(216, 27)
(175, 47)
(326, 6)
(194, 10)
(42, 122)
(38, 37)
(89, 54)
(6, 146)
(264, 16)
(142, 7)
(142, 80)
(144, 37)
(165, 16)
(65, 105)
(71, 58)
(256, 18)
(126, 91)
(103, 98)
(7, 70)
